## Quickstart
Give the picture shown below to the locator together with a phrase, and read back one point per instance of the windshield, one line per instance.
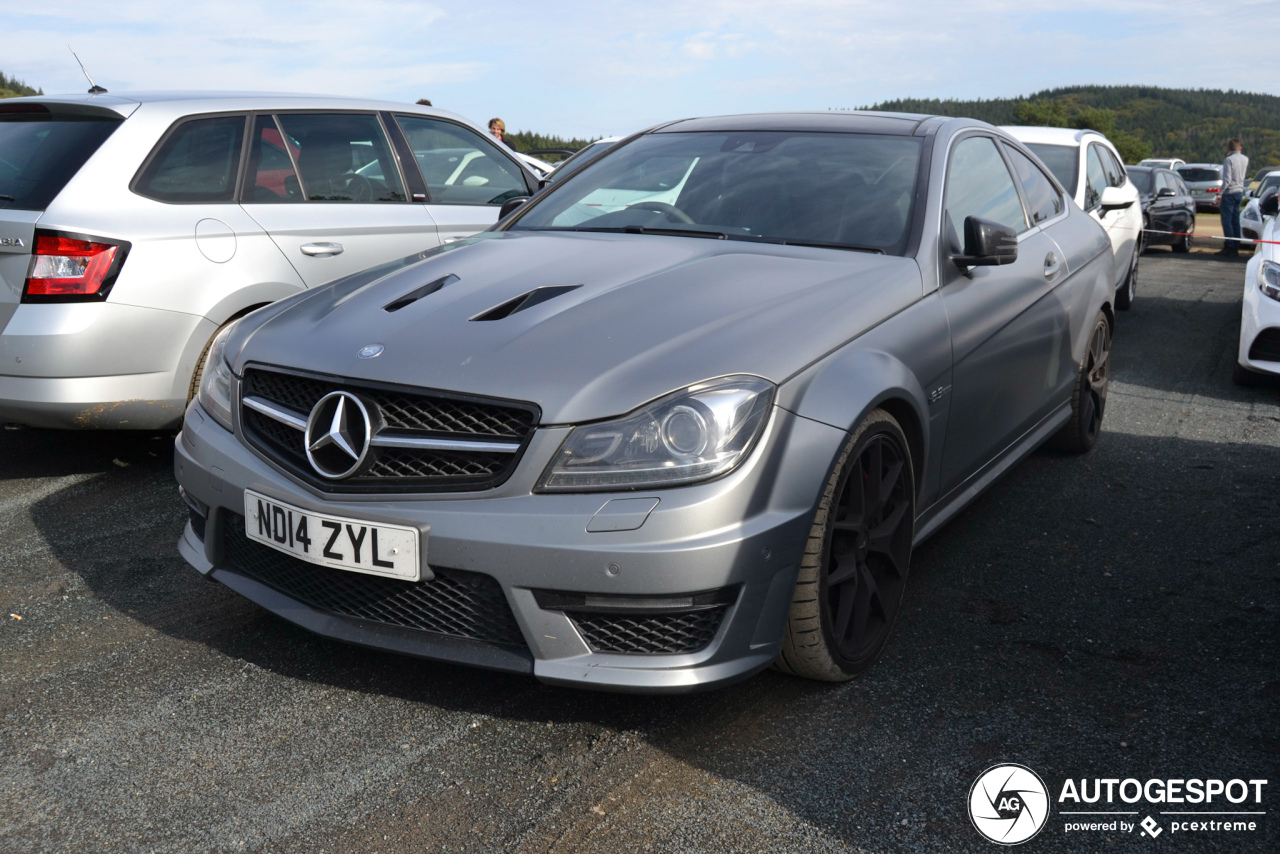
(1140, 179)
(580, 158)
(1063, 161)
(39, 153)
(1262, 173)
(846, 190)
(1268, 182)
(1200, 173)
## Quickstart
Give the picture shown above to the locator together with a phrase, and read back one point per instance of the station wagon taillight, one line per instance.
(72, 269)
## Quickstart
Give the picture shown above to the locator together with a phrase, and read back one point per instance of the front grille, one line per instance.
(649, 634)
(1266, 347)
(405, 414)
(456, 603)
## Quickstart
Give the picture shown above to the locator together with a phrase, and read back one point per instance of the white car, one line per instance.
(1251, 220)
(1089, 167)
(1163, 162)
(1259, 351)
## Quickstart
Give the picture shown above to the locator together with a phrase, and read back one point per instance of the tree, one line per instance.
(1041, 112)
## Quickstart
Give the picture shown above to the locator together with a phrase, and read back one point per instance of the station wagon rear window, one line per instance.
(40, 152)
(1200, 173)
(196, 163)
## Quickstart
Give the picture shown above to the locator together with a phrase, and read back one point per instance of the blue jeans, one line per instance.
(1230, 213)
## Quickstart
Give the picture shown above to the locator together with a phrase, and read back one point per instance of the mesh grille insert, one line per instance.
(649, 634)
(456, 603)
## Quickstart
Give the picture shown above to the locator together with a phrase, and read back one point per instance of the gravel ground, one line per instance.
(1113, 615)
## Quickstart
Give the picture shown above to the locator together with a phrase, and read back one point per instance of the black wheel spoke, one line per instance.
(862, 607)
(847, 594)
(890, 482)
(890, 524)
(843, 574)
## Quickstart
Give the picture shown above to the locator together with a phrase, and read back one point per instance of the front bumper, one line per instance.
(742, 535)
(1259, 348)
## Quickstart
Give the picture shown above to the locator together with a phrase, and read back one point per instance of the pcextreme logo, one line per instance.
(1009, 804)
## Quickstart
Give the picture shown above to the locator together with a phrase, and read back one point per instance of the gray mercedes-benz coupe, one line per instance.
(681, 416)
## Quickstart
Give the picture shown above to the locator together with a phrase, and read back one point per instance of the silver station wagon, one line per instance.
(681, 416)
(133, 227)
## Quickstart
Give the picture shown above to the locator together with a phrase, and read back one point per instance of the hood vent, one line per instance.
(420, 292)
(529, 300)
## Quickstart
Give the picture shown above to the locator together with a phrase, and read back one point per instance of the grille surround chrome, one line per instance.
(424, 440)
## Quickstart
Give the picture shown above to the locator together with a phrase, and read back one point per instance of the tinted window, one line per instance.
(1141, 180)
(197, 162)
(1095, 178)
(343, 157)
(1181, 187)
(1162, 182)
(1043, 199)
(40, 152)
(581, 158)
(459, 165)
(979, 184)
(271, 176)
(1200, 173)
(1110, 165)
(1063, 161)
(848, 189)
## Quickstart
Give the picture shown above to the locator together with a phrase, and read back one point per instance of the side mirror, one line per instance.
(987, 244)
(1269, 204)
(1165, 193)
(511, 204)
(1114, 198)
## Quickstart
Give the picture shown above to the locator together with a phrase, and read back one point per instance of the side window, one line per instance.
(271, 176)
(1115, 172)
(198, 162)
(979, 184)
(1043, 199)
(459, 165)
(1095, 179)
(343, 157)
(1162, 182)
(1182, 188)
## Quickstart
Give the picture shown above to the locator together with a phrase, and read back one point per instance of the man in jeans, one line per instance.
(1234, 171)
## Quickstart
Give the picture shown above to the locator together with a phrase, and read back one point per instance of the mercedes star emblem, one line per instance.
(370, 351)
(338, 435)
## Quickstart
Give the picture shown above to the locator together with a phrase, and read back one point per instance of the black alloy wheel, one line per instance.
(854, 570)
(869, 550)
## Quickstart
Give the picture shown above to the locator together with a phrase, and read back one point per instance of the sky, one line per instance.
(603, 68)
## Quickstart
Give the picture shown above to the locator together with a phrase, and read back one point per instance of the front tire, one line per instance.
(854, 569)
(1128, 291)
(1242, 376)
(1089, 398)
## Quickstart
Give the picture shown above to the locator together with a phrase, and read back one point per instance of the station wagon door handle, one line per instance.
(1051, 266)
(321, 250)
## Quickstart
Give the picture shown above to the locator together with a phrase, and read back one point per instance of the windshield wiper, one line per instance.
(638, 229)
(4, 198)
(818, 244)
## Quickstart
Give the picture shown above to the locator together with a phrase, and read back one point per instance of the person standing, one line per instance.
(1234, 173)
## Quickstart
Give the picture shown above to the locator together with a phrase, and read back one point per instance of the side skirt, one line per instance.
(941, 511)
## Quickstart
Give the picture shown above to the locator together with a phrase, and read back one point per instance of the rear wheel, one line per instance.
(1089, 398)
(1183, 244)
(1129, 290)
(855, 566)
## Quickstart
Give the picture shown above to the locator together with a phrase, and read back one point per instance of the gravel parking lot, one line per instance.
(1107, 616)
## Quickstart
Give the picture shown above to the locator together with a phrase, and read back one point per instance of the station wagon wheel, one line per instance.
(1129, 290)
(854, 573)
(1089, 398)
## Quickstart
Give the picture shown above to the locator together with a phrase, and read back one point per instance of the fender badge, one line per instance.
(370, 351)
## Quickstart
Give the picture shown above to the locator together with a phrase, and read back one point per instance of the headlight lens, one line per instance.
(1269, 279)
(215, 381)
(697, 433)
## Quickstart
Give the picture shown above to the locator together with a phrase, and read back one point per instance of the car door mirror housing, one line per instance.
(1165, 193)
(1115, 198)
(987, 244)
(511, 204)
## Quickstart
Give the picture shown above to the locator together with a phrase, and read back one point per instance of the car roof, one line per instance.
(216, 100)
(1047, 135)
(1200, 166)
(852, 121)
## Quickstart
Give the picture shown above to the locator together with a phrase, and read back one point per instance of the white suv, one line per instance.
(133, 227)
(1089, 167)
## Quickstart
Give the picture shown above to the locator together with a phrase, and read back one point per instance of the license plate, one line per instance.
(351, 544)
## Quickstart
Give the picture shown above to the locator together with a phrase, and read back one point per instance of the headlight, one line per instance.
(697, 433)
(1269, 279)
(215, 381)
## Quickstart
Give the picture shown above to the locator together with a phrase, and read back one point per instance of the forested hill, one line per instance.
(12, 87)
(1193, 124)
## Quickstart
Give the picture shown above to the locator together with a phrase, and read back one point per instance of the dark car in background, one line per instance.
(1167, 206)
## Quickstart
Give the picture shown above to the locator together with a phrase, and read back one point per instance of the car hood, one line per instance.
(648, 314)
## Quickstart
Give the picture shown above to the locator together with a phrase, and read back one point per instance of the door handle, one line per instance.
(321, 250)
(1051, 266)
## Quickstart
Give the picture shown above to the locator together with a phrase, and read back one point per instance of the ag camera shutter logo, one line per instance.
(1009, 804)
